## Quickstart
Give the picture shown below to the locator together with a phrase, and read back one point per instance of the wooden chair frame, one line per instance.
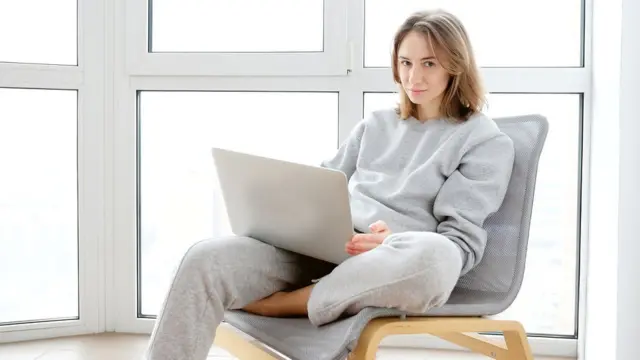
(462, 331)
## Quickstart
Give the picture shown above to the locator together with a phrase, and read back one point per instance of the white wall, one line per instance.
(613, 291)
(628, 301)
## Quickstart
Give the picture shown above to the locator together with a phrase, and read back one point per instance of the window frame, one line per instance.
(89, 80)
(585, 44)
(329, 62)
(139, 172)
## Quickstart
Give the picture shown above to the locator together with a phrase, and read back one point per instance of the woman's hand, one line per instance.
(364, 242)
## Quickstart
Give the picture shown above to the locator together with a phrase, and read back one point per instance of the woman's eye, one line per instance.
(405, 62)
(429, 63)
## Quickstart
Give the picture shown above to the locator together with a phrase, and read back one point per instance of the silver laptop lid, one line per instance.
(293, 206)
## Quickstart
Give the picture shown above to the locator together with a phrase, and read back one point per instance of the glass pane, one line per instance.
(179, 201)
(504, 33)
(547, 301)
(38, 31)
(237, 25)
(38, 205)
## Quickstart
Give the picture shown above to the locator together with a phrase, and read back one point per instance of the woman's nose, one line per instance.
(415, 74)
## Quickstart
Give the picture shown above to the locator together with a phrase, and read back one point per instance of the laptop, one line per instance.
(301, 208)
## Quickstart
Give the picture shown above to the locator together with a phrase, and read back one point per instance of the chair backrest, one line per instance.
(502, 267)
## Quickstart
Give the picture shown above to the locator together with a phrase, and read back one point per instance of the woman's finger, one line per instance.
(379, 227)
(363, 246)
(374, 238)
(351, 251)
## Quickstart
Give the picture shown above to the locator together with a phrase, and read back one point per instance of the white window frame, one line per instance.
(88, 79)
(331, 61)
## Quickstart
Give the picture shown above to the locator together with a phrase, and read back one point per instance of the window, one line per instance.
(38, 31)
(240, 38)
(487, 22)
(236, 26)
(54, 176)
(547, 300)
(38, 205)
(178, 204)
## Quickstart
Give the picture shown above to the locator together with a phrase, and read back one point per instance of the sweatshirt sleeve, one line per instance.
(346, 158)
(472, 192)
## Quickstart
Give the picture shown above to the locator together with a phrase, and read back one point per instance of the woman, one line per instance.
(423, 178)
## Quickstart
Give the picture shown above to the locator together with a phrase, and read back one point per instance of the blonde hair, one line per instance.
(464, 94)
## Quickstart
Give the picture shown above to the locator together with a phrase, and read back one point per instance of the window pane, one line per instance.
(547, 301)
(38, 205)
(504, 33)
(38, 31)
(237, 26)
(179, 204)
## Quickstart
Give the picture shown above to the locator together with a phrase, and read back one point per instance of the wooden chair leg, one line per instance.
(368, 343)
(517, 345)
(459, 331)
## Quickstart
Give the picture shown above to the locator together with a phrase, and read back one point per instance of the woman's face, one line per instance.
(421, 75)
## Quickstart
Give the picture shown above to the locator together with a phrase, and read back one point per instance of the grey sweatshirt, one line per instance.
(437, 176)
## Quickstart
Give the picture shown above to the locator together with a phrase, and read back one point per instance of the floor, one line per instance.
(131, 347)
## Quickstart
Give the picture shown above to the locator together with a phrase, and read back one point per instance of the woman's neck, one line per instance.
(428, 112)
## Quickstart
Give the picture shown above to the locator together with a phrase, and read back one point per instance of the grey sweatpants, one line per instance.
(409, 271)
